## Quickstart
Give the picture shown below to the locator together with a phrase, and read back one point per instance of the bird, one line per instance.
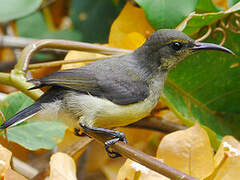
(112, 92)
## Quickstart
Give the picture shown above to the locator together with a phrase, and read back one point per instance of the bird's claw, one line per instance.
(118, 137)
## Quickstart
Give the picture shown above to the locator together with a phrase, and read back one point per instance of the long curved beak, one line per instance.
(210, 46)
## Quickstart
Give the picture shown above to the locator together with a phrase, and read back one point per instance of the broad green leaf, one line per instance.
(14, 103)
(206, 5)
(26, 28)
(14, 9)
(33, 134)
(37, 134)
(206, 88)
(93, 18)
(196, 21)
(232, 2)
(167, 13)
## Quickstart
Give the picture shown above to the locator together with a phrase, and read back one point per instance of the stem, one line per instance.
(5, 79)
(68, 61)
(29, 50)
(157, 124)
(142, 158)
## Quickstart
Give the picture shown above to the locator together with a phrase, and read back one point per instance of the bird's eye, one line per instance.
(176, 46)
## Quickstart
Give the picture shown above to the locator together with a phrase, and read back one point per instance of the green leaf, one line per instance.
(93, 18)
(195, 22)
(14, 103)
(206, 87)
(37, 134)
(232, 2)
(13, 9)
(167, 13)
(33, 134)
(206, 5)
(25, 27)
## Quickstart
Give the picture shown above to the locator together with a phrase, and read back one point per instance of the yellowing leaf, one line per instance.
(229, 147)
(78, 55)
(62, 167)
(188, 151)
(13, 175)
(130, 28)
(133, 170)
(5, 158)
(229, 170)
(227, 160)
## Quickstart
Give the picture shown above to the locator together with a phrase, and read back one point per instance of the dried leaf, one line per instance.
(62, 167)
(227, 160)
(188, 151)
(130, 28)
(5, 158)
(229, 146)
(133, 170)
(13, 175)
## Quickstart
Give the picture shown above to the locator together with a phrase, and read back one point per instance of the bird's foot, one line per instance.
(117, 136)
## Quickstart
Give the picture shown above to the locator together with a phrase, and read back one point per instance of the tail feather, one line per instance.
(22, 116)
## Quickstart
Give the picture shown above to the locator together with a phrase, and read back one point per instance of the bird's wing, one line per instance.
(121, 90)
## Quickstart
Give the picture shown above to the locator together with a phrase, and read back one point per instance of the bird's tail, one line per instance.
(22, 116)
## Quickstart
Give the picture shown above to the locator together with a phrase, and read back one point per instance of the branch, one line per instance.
(29, 50)
(22, 42)
(157, 124)
(68, 61)
(142, 158)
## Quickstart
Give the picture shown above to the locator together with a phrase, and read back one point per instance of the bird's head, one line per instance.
(168, 47)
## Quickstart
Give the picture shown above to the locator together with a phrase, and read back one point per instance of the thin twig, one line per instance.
(22, 42)
(142, 158)
(157, 124)
(29, 50)
(67, 61)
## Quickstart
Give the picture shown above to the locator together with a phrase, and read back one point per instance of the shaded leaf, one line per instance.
(25, 27)
(93, 18)
(205, 87)
(188, 151)
(14, 9)
(167, 13)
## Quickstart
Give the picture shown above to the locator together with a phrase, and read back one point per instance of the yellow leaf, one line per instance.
(13, 175)
(229, 170)
(130, 29)
(134, 171)
(227, 160)
(229, 146)
(62, 167)
(77, 55)
(5, 158)
(188, 151)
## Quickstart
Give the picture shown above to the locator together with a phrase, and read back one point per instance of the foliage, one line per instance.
(203, 88)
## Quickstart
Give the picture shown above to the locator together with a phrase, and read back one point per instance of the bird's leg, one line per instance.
(118, 136)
